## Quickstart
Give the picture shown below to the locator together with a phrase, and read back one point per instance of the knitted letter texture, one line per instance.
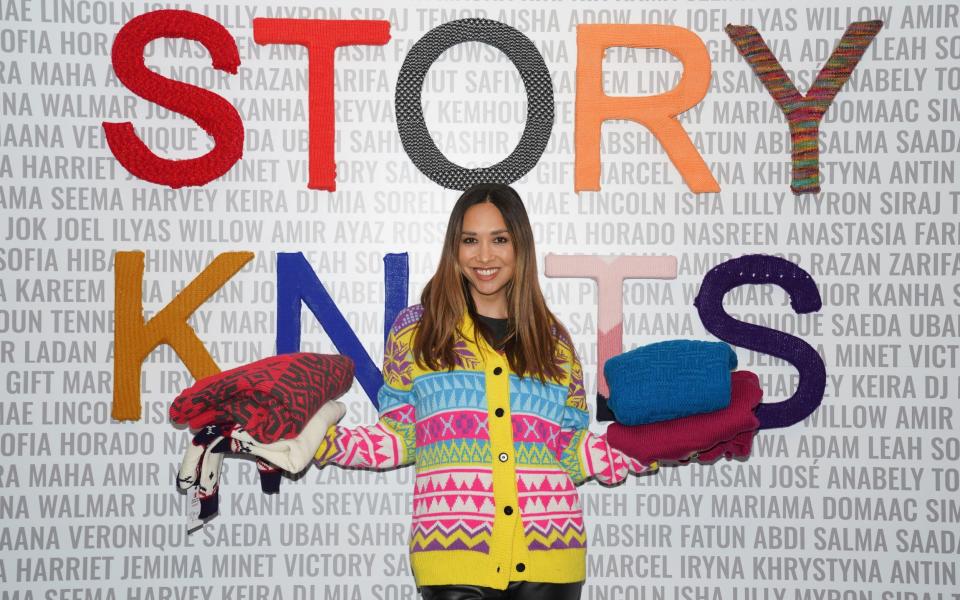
(211, 112)
(414, 134)
(757, 269)
(609, 273)
(656, 113)
(396, 283)
(296, 283)
(321, 38)
(134, 339)
(805, 112)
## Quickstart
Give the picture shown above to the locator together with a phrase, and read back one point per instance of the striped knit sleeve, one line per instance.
(390, 442)
(582, 453)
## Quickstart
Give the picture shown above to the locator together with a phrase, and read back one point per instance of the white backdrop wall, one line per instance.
(860, 500)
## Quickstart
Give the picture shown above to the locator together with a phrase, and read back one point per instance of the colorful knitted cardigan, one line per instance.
(497, 460)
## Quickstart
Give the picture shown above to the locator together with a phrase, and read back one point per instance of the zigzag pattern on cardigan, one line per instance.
(569, 534)
(454, 534)
(550, 510)
(452, 509)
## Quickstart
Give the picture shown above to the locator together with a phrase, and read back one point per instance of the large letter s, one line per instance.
(211, 112)
(804, 298)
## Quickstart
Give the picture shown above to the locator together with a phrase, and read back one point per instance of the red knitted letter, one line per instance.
(321, 38)
(211, 112)
(805, 112)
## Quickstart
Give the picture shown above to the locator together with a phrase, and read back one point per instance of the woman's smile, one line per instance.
(487, 274)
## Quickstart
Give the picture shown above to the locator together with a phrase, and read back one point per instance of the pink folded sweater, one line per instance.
(728, 431)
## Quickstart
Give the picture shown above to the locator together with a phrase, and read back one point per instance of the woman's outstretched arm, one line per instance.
(391, 442)
(582, 453)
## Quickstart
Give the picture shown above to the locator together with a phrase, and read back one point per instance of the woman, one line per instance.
(484, 392)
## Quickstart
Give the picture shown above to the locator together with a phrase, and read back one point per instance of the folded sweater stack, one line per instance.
(678, 399)
(727, 432)
(277, 409)
(204, 457)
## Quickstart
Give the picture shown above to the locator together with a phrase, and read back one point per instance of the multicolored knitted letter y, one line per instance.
(805, 112)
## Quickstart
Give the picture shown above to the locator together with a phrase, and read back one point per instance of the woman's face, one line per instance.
(486, 258)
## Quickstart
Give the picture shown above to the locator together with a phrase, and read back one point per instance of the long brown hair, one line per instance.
(531, 340)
